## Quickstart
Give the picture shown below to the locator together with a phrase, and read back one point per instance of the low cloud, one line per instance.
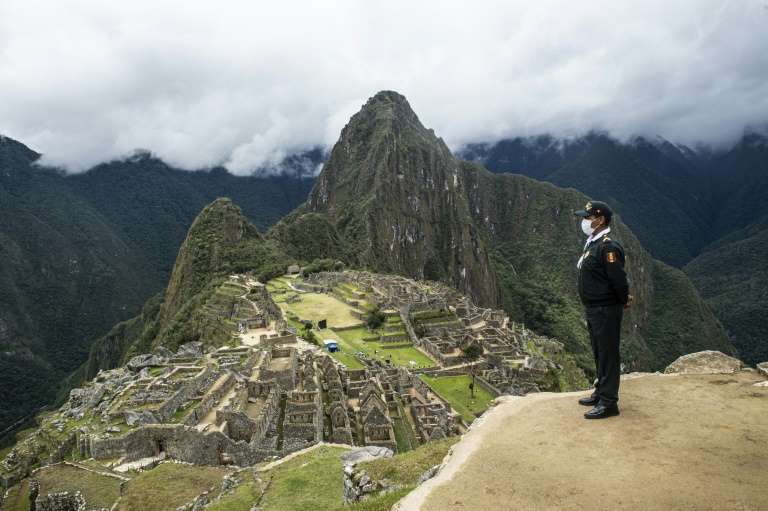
(244, 84)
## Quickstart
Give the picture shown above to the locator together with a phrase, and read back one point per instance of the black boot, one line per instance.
(589, 400)
(602, 411)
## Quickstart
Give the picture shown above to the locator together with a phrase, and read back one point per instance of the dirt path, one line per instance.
(697, 442)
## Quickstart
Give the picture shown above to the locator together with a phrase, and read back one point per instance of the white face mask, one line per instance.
(586, 227)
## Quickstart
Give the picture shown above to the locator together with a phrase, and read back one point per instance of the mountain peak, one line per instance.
(14, 151)
(220, 240)
(384, 112)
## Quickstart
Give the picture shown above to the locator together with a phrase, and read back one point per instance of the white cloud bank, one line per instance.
(245, 83)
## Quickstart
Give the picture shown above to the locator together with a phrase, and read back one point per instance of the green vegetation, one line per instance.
(313, 481)
(168, 486)
(736, 292)
(408, 467)
(17, 498)
(374, 319)
(670, 313)
(100, 491)
(245, 495)
(455, 390)
(309, 482)
(317, 306)
(401, 354)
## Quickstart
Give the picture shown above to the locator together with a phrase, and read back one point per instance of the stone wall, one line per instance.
(180, 443)
(209, 401)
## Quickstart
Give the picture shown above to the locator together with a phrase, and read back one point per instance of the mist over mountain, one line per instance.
(81, 253)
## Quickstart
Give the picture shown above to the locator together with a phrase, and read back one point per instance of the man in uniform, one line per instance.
(604, 291)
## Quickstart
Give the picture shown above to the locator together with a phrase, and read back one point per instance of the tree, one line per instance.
(472, 352)
(374, 319)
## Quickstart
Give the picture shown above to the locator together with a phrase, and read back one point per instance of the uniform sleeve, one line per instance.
(613, 259)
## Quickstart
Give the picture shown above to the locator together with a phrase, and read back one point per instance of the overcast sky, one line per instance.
(245, 83)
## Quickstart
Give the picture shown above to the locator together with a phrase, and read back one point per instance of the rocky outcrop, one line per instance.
(705, 362)
(763, 368)
(357, 483)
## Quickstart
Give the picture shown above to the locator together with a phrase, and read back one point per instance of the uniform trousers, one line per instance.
(604, 325)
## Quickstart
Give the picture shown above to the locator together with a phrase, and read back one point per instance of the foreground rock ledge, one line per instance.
(683, 441)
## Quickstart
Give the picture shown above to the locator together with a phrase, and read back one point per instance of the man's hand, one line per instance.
(630, 299)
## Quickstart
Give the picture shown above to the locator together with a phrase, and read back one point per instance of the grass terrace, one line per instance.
(401, 354)
(455, 390)
(317, 306)
(168, 486)
(100, 491)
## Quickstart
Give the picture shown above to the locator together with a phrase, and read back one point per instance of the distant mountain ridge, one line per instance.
(84, 252)
(704, 211)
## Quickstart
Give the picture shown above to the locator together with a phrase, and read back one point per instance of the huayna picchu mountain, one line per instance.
(392, 196)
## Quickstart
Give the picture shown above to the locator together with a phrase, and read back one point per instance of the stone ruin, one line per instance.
(245, 404)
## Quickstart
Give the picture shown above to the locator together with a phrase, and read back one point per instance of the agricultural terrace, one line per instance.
(343, 311)
(455, 390)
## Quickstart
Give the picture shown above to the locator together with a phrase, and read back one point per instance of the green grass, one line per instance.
(99, 491)
(455, 389)
(17, 498)
(408, 467)
(317, 306)
(401, 354)
(168, 486)
(245, 495)
(378, 502)
(347, 354)
(314, 481)
(310, 482)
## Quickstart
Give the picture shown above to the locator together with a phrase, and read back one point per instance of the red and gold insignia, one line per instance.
(611, 256)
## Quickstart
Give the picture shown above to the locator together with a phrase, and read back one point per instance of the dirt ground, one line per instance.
(693, 442)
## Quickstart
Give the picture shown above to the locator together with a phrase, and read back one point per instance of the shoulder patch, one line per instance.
(606, 238)
(611, 257)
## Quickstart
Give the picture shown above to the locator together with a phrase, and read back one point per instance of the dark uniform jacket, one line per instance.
(602, 279)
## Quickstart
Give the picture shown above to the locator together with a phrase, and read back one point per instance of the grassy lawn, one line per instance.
(17, 498)
(316, 306)
(309, 482)
(168, 486)
(245, 495)
(408, 467)
(455, 389)
(401, 353)
(313, 482)
(99, 491)
(347, 354)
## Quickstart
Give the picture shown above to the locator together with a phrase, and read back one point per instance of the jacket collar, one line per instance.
(596, 237)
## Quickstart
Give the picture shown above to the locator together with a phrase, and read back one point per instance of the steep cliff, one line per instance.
(391, 196)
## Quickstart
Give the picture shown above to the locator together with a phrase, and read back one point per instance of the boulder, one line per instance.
(139, 418)
(762, 367)
(369, 452)
(705, 362)
(147, 360)
(190, 350)
(162, 351)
